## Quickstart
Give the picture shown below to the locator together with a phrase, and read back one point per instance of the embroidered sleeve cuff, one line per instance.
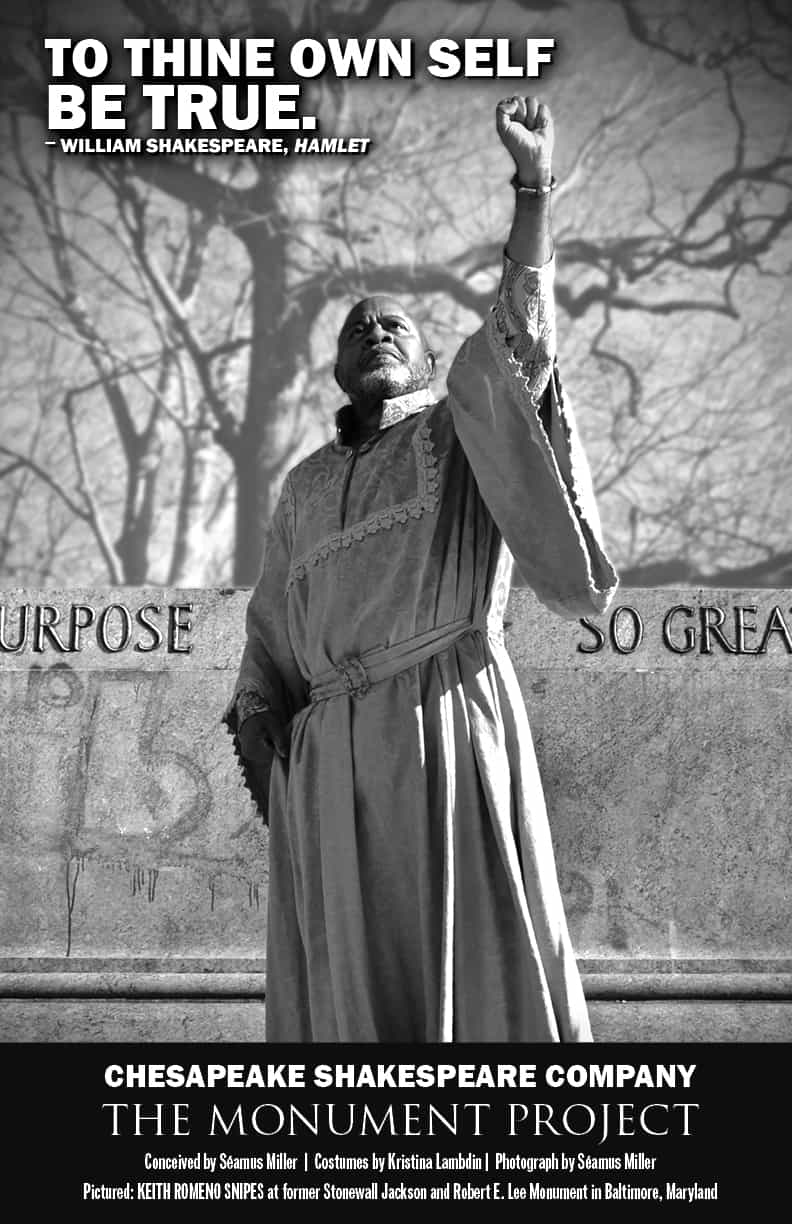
(249, 703)
(242, 705)
(521, 326)
(255, 777)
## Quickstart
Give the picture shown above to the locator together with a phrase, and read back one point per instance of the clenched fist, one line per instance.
(525, 127)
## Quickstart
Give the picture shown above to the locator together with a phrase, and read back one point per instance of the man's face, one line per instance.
(381, 352)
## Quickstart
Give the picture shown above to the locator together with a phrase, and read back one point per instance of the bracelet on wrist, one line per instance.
(533, 191)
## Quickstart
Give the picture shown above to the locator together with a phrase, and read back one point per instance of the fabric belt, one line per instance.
(356, 674)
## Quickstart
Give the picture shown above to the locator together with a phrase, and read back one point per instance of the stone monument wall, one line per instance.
(134, 882)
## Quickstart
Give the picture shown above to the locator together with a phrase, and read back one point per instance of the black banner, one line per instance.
(671, 1125)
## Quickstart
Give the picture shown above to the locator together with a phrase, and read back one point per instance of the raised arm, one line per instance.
(525, 127)
(517, 431)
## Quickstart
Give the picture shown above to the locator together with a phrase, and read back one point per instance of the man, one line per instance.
(413, 894)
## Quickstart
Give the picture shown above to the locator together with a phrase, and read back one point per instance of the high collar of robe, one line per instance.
(393, 411)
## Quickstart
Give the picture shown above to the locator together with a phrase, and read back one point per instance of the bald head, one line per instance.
(381, 352)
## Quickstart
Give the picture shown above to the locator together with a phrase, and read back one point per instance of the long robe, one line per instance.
(413, 891)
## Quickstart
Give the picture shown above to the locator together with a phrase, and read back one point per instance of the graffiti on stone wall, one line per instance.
(115, 768)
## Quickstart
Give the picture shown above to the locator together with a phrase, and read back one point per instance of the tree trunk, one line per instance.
(189, 553)
(134, 539)
(272, 437)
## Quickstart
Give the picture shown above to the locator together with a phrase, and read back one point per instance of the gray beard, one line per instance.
(388, 382)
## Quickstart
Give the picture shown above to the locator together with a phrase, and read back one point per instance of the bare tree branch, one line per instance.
(92, 514)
